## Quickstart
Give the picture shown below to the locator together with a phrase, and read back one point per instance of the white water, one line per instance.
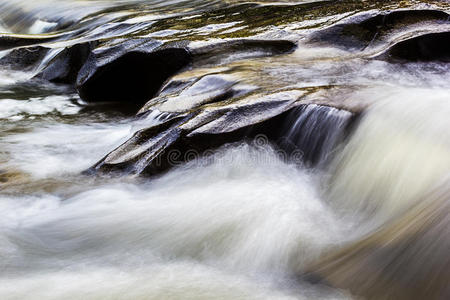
(240, 227)
(398, 154)
(155, 241)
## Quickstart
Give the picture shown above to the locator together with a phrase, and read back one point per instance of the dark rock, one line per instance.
(359, 32)
(424, 48)
(153, 150)
(240, 49)
(187, 134)
(10, 41)
(65, 66)
(24, 59)
(131, 72)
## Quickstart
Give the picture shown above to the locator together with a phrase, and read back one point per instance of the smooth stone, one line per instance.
(423, 48)
(10, 41)
(130, 72)
(64, 67)
(234, 50)
(24, 59)
(186, 136)
(359, 32)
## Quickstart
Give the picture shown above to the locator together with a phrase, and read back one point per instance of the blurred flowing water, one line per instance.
(242, 226)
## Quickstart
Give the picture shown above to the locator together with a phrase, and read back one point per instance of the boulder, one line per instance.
(184, 136)
(423, 48)
(24, 59)
(225, 52)
(187, 127)
(132, 71)
(64, 67)
(367, 29)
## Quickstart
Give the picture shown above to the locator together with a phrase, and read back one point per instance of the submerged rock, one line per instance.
(191, 94)
(132, 70)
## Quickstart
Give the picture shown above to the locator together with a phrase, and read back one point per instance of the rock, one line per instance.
(406, 259)
(10, 41)
(64, 67)
(362, 31)
(134, 71)
(153, 150)
(24, 59)
(240, 49)
(202, 126)
(206, 89)
(423, 48)
(130, 72)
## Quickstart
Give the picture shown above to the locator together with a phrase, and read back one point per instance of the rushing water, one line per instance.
(242, 225)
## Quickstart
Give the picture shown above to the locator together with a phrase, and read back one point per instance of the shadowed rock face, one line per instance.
(134, 77)
(424, 48)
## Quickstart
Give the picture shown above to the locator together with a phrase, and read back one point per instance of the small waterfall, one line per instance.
(315, 131)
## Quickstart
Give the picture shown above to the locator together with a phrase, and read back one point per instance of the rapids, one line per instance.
(365, 160)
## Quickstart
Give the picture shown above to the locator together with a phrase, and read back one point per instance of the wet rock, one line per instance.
(64, 67)
(185, 136)
(424, 48)
(10, 41)
(240, 49)
(406, 259)
(365, 30)
(24, 59)
(131, 72)
(201, 126)
(206, 89)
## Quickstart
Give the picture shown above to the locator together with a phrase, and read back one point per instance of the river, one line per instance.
(246, 222)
